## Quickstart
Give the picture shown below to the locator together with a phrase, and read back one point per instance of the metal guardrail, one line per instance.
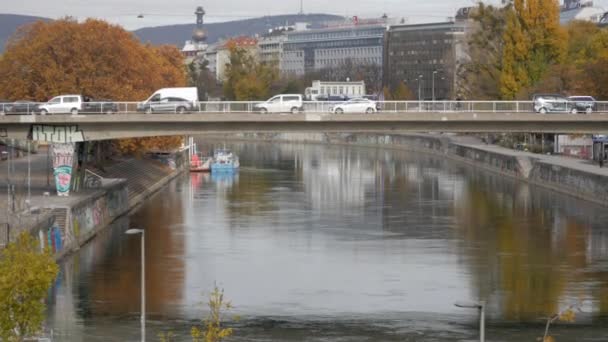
(307, 107)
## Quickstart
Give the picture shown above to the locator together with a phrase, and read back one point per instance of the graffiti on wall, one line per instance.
(57, 134)
(99, 212)
(63, 159)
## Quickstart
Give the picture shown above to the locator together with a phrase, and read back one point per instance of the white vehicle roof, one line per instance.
(188, 93)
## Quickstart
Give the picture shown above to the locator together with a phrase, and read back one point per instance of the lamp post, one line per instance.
(433, 86)
(419, 92)
(143, 278)
(482, 315)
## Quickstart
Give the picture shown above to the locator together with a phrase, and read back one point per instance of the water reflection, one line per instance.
(319, 237)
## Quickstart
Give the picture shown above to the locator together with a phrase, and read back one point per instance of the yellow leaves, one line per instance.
(25, 276)
(213, 330)
(567, 315)
(140, 145)
(548, 339)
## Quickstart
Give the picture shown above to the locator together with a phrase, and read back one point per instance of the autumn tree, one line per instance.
(92, 58)
(478, 77)
(583, 70)
(25, 277)
(400, 93)
(247, 79)
(203, 79)
(213, 329)
(533, 42)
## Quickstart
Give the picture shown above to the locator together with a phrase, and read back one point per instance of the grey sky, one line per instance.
(164, 12)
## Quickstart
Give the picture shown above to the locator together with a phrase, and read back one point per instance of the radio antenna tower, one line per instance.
(301, 7)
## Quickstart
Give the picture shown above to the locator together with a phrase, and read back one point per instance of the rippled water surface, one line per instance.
(320, 243)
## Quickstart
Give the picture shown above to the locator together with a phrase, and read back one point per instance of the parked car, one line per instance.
(284, 103)
(21, 107)
(4, 105)
(357, 105)
(553, 103)
(98, 106)
(166, 105)
(583, 103)
(62, 104)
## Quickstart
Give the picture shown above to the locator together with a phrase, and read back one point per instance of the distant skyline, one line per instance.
(162, 12)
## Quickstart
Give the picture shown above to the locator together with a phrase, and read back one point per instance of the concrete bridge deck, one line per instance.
(74, 128)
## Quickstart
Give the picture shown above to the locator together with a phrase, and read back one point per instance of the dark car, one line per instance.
(585, 104)
(100, 106)
(21, 107)
(3, 105)
(166, 105)
(553, 103)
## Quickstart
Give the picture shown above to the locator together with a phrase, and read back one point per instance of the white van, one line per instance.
(284, 103)
(185, 94)
(62, 104)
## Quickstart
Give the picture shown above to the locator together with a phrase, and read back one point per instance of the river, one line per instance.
(338, 243)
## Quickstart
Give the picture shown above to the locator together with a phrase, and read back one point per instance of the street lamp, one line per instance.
(419, 93)
(482, 315)
(433, 86)
(143, 277)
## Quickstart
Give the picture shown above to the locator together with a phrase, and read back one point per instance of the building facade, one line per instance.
(425, 57)
(218, 55)
(579, 10)
(305, 51)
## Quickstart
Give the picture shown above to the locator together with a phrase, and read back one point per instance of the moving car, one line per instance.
(357, 105)
(553, 103)
(98, 106)
(174, 100)
(284, 103)
(62, 104)
(584, 104)
(167, 105)
(20, 107)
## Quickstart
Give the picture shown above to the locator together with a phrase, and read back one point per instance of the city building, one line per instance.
(579, 10)
(425, 56)
(198, 44)
(325, 90)
(218, 55)
(358, 41)
(270, 46)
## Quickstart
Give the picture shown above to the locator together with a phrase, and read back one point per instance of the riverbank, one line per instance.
(575, 177)
(64, 224)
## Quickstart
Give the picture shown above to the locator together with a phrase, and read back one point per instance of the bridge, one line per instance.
(76, 128)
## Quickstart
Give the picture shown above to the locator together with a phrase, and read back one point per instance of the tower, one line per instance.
(199, 35)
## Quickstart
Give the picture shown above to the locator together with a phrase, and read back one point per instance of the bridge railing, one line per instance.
(18, 108)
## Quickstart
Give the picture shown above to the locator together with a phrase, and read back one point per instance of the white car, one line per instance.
(62, 104)
(284, 103)
(357, 105)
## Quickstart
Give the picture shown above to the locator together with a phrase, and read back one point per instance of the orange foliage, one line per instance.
(137, 145)
(93, 58)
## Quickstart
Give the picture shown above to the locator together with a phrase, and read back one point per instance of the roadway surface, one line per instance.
(73, 128)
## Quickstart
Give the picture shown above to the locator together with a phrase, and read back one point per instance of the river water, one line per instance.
(320, 243)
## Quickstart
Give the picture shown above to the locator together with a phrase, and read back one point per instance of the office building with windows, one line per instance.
(309, 50)
(426, 56)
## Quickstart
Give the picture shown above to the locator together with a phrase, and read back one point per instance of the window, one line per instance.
(341, 89)
(70, 99)
(55, 100)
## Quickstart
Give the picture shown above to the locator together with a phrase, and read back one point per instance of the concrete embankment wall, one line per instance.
(78, 223)
(574, 182)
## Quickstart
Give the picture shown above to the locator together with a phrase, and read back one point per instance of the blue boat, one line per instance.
(224, 161)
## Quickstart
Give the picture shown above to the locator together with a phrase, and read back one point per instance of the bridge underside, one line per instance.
(67, 128)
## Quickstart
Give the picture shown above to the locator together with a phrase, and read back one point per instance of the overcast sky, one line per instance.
(164, 12)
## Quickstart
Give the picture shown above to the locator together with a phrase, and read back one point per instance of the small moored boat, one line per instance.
(198, 163)
(224, 161)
